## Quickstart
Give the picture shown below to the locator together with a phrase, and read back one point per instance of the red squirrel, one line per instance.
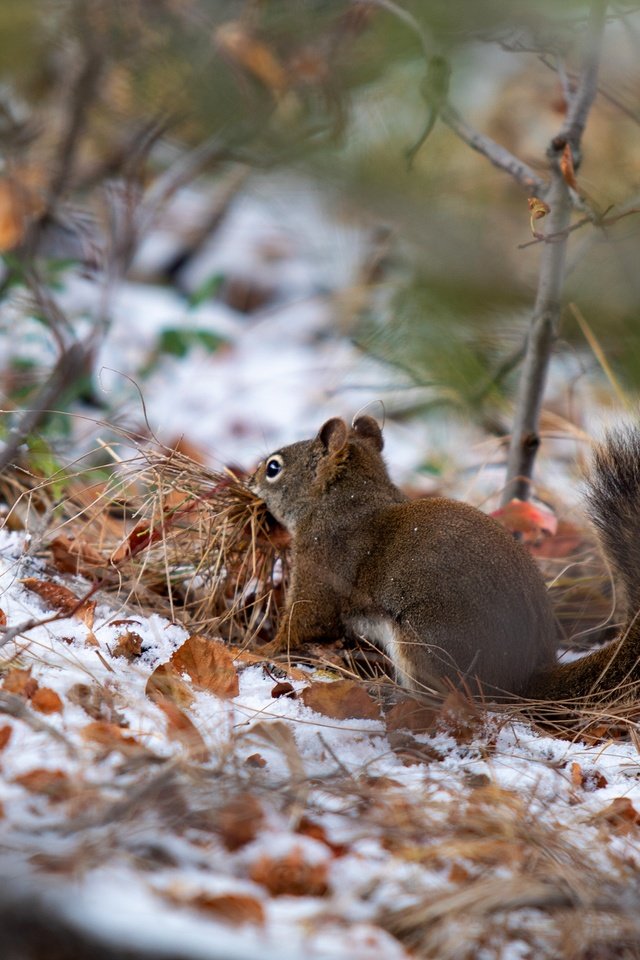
(447, 592)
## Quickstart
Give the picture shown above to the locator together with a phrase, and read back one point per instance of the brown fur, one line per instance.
(442, 587)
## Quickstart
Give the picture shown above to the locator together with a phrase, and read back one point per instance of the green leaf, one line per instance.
(207, 290)
(177, 341)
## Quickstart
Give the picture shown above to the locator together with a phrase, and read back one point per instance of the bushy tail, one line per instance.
(613, 499)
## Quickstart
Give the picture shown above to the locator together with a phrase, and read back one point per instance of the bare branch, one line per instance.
(499, 156)
(542, 334)
(581, 102)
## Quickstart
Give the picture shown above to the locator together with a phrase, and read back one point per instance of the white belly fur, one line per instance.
(386, 635)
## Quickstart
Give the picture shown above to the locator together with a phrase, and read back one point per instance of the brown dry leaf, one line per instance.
(111, 736)
(283, 689)
(621, 814)
(309, 828)
(239, 44)
(255, 760)
(291, 875)
(63, 600)
(96, 701)
(460, 717)
(567, 168)
(208, 664)
(593, 780)
(54, 784)
(458, 874)
(165, 684)
(5, 735)
(410, 715)
(45, 700)
(3, 618)
(128, 646)
(239, 821)
(341, 700)
(76, 556)
(20, 682)
(181, 729)
(232, 908)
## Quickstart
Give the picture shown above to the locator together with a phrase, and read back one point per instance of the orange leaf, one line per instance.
(63, 600)
(3, 618)
(128, 646)
(291, 875)
(239, 821)
(567, 169)
(5, 735)
(621, 814)
(76, 556)
(20, 682)
(165, 684)
(54, 784)
(111, 736)
(232, 908)
(532, 522)
(341, 700)
(411, 715)
(208, 664)
(181, 729)
(46, 700)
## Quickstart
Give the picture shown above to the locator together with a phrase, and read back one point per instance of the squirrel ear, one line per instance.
(366, 428)
(333, 435)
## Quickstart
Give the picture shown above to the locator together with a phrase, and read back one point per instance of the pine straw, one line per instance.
(167, 535)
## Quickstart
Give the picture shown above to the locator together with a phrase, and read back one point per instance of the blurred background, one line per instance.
(221, 222)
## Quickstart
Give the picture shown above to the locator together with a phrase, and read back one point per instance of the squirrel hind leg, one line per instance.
(408, 654)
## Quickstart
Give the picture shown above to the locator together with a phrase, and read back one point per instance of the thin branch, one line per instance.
(542, 334)
(65, 373)
(498, 155)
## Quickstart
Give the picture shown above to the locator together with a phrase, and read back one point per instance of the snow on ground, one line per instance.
(256, 826)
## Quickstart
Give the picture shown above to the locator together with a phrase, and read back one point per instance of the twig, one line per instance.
(499, 156)
(542, 333)
(65, 373)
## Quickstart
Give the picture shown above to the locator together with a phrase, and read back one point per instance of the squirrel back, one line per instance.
(443, 588)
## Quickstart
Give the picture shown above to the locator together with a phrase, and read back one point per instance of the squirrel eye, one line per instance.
(273, 468)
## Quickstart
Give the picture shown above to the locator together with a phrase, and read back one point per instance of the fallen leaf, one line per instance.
(20, 682)
(165, 684)
(3, 618)
(54, 784)
(111, 736)
(208, 664)
(232, 908)
(255, 760)
(411, 715)
(533, 523)
(309, 828)
(340, 700)
(46, 701)
(5, 735)
(181, 729)
(239, 821)
(63, 600)
(291, 875)
(283, 689)
(97, 702)
(128, 646)
(76, 556)
(621, 814)
(458, 874)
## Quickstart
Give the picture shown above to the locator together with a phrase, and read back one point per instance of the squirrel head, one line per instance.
(326, 472)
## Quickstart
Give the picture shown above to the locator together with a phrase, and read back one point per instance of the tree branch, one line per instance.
(542, 334)
(498, 155)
